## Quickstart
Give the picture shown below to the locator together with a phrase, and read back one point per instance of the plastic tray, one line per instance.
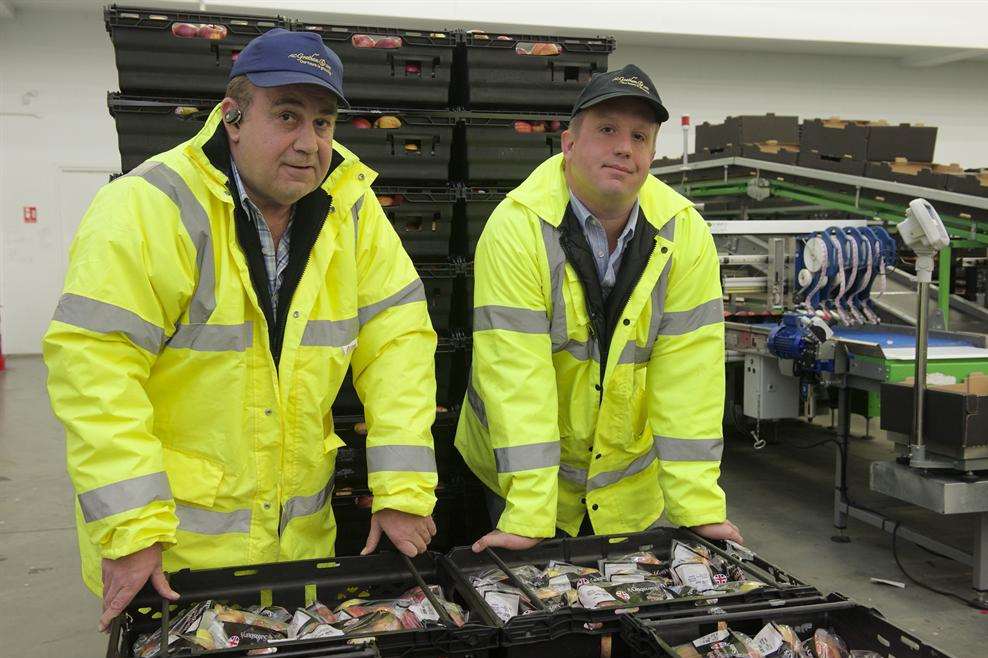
(417, 73)
(654, 635)
(534, 634)
(423, 217)
(293, 584)
(495, 75)
(148, 126)
(417, 152)
(495, 152)
(152, 60)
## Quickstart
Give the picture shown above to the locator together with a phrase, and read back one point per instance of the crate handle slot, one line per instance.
(245, 572)
(532, 596)
(752, 614)
(439, 607)
(327, 565)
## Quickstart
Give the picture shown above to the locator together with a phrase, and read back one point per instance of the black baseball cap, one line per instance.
(279, 57)
(630, 81)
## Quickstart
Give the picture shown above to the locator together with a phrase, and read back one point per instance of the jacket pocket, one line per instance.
(192, 478)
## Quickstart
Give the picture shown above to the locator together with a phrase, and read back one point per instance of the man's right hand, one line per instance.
(124, 577)
(504, 540)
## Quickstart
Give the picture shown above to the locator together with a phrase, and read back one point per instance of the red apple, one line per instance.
(362, 41)
(388, 42)
(523, 127)
(361, 123)
(554, 126)
(365, 502)
(503, 37)
(386, 201)
(546, 49)
(213, 32)
(185, 30)
(413, 68)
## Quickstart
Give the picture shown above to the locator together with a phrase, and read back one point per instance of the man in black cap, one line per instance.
(596, 394)
(215, 299)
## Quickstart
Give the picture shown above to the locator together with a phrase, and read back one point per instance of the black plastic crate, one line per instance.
(654, 635)
(443, 295)
(153, 58)
(416, 152)
(480, 202)
(330, 580)
(840, 163)
(976, 184)
(497, 72)
(736, 131)
(423, 217)
(501, 148)
(391, 67)
(146, 126)
(533, 634)
(915, 143)
(835, 138)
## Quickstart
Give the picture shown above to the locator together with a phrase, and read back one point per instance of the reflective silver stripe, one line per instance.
(306, 505)
(210, 522)
(212, 337)
(688, 450)
(634, 353)
(582, 350)
(557, 274)
(527, 457)
(668, 230)
(330, 333)
(420, 459)
(677, 323)
(105, 318)
(413, 292)
(355, 212)
(196, 223)
(522, 320)
(573, 474)
(610, 477)
(125, 495)
(477, 405)
(658, 306)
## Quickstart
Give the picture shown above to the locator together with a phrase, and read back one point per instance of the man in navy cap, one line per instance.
(216, 297)
(597, 286)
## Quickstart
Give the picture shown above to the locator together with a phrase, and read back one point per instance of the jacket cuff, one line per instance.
(506, 524)
(421, 504)
(695, 517)
(139, 533)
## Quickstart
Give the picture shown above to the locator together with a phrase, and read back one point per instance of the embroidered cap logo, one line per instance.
(633, 82)
(314, 60)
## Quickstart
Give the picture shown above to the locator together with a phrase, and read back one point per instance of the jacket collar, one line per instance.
(347, 180)
(545, 193)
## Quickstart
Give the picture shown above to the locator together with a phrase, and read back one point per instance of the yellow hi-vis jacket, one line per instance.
(180, 428)
(538, 427)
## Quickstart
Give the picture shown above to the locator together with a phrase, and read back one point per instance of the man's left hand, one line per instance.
(725, 530)
(409, 533)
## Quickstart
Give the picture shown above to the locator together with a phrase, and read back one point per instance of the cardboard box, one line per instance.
(735, 131)
(924, 174)
(955, 421)
(771, 150)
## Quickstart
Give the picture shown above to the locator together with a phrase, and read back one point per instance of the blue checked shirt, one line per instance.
(608, 262)
(275, 262)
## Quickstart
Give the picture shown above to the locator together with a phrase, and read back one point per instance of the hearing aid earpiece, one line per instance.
(233, 116)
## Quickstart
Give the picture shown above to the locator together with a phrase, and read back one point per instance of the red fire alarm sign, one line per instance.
(30, 214)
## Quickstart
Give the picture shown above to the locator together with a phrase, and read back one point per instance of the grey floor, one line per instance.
(780, 496)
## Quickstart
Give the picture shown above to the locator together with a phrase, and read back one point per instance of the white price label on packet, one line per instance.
(695, 575)
(424, 610)
(717, 636)
(768, 640)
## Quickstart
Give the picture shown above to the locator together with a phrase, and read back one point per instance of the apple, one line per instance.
(523, 49)
(386, 201)
(538, 127)
(399, 199)
(546, 49)
(413, 68)
(388, 42)
(360, 428)
(411, 147)
(523, 127)
(554, 126)
(213, 32)
(361, 123)
(387, 122)
(185, 110)
(362, 41)
(365, 502)
(185, 30)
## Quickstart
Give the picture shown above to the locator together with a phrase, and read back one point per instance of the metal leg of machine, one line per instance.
(981, 562)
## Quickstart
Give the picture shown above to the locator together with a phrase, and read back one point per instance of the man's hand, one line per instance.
(124, 577)
(504, 540)
(408, 532)
(725, 530)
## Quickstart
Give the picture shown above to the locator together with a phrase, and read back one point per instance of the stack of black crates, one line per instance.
(450, 120)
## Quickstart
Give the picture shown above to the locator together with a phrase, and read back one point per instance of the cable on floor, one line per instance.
(895, 555)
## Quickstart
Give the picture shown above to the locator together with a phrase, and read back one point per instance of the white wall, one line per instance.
(709, 85)
(55, 160)
(63, 62)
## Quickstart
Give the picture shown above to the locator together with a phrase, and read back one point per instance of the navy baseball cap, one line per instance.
(279, 57)
(629, 81)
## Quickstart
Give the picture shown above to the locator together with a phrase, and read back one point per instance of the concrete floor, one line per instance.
(779, 496)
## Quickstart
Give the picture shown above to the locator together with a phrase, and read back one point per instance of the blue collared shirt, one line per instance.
(275, 261)
(608, 262)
